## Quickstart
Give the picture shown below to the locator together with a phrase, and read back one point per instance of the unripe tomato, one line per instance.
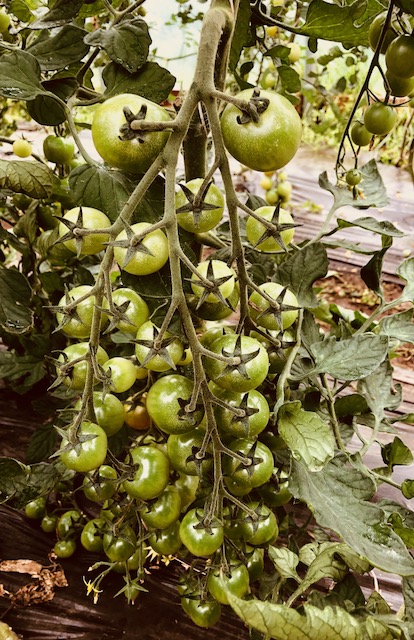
(380, 118)
(255, 230)
(137, 417)
(272, 197)
(122, 373)
(164, 510)
(254, 404)
(80, 318)
(22, 148)
(255, 474)
(77, 374)
(92, 535)
(360, 135)
(262, 531)
(200, 541)
(88, 454)
(399, 57)
(202, 219)
(295, 52)
(271, 142)
(236, 581)
(65, 548)
(284, 191)
(254, 371)
(259, 307)
(353, 177)
(167, 541)
(143, 263)
(150, 475)
(100, 486)
(375, 32)
(165, 401)
(219, 270)
(109, 411)
(4, 21)
(91, 219)
(131, 155)
(120, 547)
(148, 332)
(58, 150)
(182, 449)
(48, 523)
(36, 509)
(400, 87)
(136, 309)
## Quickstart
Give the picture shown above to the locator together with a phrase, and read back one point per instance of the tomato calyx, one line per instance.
(211, 285)
(275, 307)
(196, 202)
(157, 348)
(126, 131)
(255, 107)
(133, 243)
(241, 360)
(274, 229)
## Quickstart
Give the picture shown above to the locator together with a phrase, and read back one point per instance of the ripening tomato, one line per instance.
(89, 218)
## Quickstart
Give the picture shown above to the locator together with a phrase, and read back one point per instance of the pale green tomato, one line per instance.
(258, 304)
(91, 219)
(143, 263)
(255, 230)
(77, 374)
(109, 412)
(208, 218)
(123, 373)
(219, 270)
(79, 325)
(174, 349)
(87, 454)
(137, 310)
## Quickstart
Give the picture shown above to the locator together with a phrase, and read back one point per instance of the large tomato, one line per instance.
(137, 153)
(268, 144)
(399, 57)
(166, 400)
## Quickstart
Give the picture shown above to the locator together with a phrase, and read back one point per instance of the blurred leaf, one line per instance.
(241, 33)
(20, 9)
(382, 227)
(21, 372)
(378, 391)
(406, 272)
(126, 43)
(61, 50)
(371, 272)
(42, 443)
(408, 594)
(62, 11)
(16, 315)
(45, 109)
(399, 326)
(351, 405)
(289, 78)
(13, 476)
(151, 81)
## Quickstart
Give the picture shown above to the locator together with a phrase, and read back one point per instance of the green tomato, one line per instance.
(165, 404)
(380, 118)
(122, 373)
(400, 87)
(256, 409)
(295, 52)
(268, 144)
(262, 531)
(58, 150)
(101, 485)
(173, 350)
(213, 333)
(164, 510)
(272, 197)
(167, 541)
(258, 472)
(121, 546)
(88, 454)
(236, 581)
(201, 218)
(200, 541)
(150, 474)
(187, 487)
(254, 371)
(4, 21)
(46, 216)
(284, 191)
(36, 509)
(65, 548)
(67, 522)
(149, 260)
(182, 449)
(77, 374)
(109, 412)
(267, 317)
(22, 148)
(255, 230)
(203, 613)
(399, 57)
(353, 177)
(255, 562)
(92, 535)
(214, 310)
(375, 30)
(132, 155)
(48, 523)
(79, 319)
(91, 219)
(214, 270)
(134, 309)
(360, 135)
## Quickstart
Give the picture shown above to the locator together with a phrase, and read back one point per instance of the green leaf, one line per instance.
(62, 12)
(101, 188)
(405, 533)
(338, 23)
(151, 81)
(20, 76)
(241, 34)
(60, 50)
(407, 489)
(375, 194)
(350, 359)
(309, 438)
(396, 453)
(22, 372)
(285, 562)
(33, 178)
(16, 316)
(339, 496)
(283, 623)
(406, 5)
(45, 109)
(301, 269)
(42, 443)
(399, 326)
(382, 227)
(371, 272)
(13, 476)
(40, 481)
(378, 391)
(20, 9)
(127, 43)
(350, 405)
(406, 272)
(408, 594)
(356, 247)
(289, 78)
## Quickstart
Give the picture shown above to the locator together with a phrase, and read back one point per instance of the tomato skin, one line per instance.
(187, 487)
(167, 541)
(400, 87)
(4, 21)
(22, 148)
(399, 57)
(109, 412)
(36, 509)
(204, 613)
(151, 475)
(380, 118)
(120, 547)
(255, 563)
(122, 373)
(164, 511)
(258, 304)
(214, 310)
(269, 144)
(100, 486)
(233, 380)
(164, 408)
(199, 541)
(143, 264)
(254, 475)
(255, 230)
(353, 177)
(181, 448)
(91, 219)
(58, 150)
(360, 135)
(246, 427)
(66, 523)
(128, 155)
(92, 535)
(237, 582)
(87, 455)
(137, 311)
(77, 375)
(263, 531)
(65, 548)
(137, 417)
(208, 218)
